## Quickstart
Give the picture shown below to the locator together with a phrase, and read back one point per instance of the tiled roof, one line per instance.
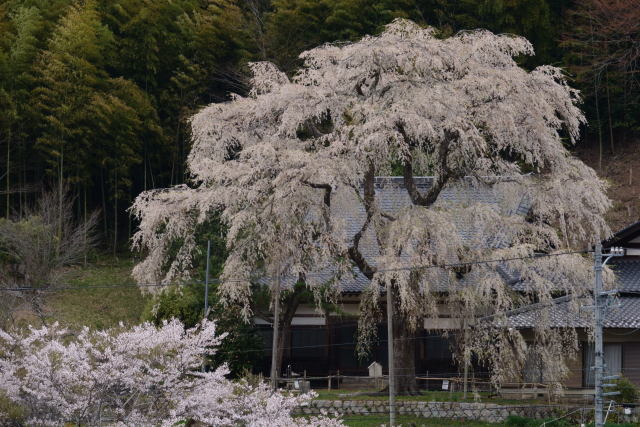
(392, 197)
(624, 312)
(627, 271)
(354, 282)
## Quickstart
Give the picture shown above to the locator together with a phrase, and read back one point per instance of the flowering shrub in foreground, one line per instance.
(139, 376)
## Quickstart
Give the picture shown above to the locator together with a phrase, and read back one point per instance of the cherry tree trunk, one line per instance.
(404, 351)
(290, 305)
(404, 346)
(283, 341)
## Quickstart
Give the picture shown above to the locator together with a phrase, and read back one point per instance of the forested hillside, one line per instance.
(96, 94)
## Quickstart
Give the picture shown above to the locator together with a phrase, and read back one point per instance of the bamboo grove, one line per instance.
(95, 94)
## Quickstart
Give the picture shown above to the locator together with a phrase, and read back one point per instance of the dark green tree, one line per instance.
(297, 25)
(23, 26)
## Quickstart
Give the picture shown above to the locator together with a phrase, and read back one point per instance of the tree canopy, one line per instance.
(145, 375)
(284, 164)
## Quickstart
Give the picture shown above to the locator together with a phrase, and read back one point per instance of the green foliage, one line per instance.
(99, 92)
(297, 25)
(629, 392)
(516, 421)
(242, 347)
(110, 297)
(11, 414)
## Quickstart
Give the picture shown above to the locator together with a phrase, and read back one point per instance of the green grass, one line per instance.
(428, 396)
(377, 420)
(98, 307)
(406, 420)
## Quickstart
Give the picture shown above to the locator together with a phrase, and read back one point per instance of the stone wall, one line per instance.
(488, 412)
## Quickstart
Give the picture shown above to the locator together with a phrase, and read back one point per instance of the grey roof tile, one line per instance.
(392, 197)
(627, 271)
(624, 312)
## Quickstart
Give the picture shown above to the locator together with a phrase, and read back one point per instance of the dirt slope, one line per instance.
(622, 171)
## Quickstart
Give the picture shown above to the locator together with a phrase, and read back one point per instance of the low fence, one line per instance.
(450, 384)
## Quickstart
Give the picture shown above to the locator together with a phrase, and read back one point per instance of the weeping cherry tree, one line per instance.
(289, 164)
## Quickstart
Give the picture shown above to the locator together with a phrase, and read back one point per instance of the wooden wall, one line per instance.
(631, 361)
(574, 380)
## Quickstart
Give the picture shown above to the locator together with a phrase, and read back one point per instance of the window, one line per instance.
(612, 362)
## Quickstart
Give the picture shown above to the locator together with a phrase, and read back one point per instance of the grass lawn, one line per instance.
(377, 420)
(99, 307)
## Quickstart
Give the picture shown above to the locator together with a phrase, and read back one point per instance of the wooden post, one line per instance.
(465, 358)
(276, 320)
(390, 352)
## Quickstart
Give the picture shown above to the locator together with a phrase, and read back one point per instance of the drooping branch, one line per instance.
(362, 83)
(369, 198)
(464, 102)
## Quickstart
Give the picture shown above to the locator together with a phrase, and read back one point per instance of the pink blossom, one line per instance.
(138, 376)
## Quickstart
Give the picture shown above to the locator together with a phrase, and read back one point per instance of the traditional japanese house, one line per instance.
(621, 322)
(323, 342)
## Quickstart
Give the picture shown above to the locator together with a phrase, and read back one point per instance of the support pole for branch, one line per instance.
(392, 372)
(206, 280)
(466, 358)
(276, 319)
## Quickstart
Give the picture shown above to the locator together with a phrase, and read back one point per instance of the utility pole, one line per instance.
(466, 357)
(599, 347)
(392, 372)
(600, 306)
(206, 280)
(206, 289)
(276, 321)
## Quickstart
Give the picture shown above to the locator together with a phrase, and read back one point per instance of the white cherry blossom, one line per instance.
(133, 377)
(288, 165)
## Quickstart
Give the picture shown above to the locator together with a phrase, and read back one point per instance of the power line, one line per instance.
(487, 261)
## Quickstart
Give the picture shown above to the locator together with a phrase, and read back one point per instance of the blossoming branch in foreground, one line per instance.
(134, 376)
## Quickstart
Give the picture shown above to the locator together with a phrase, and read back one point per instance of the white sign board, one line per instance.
(445, 384)
(375, 370)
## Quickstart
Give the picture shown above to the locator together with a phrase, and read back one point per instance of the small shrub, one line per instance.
(628, 391)
(242, 347)
(11, 414)
(517, 421)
